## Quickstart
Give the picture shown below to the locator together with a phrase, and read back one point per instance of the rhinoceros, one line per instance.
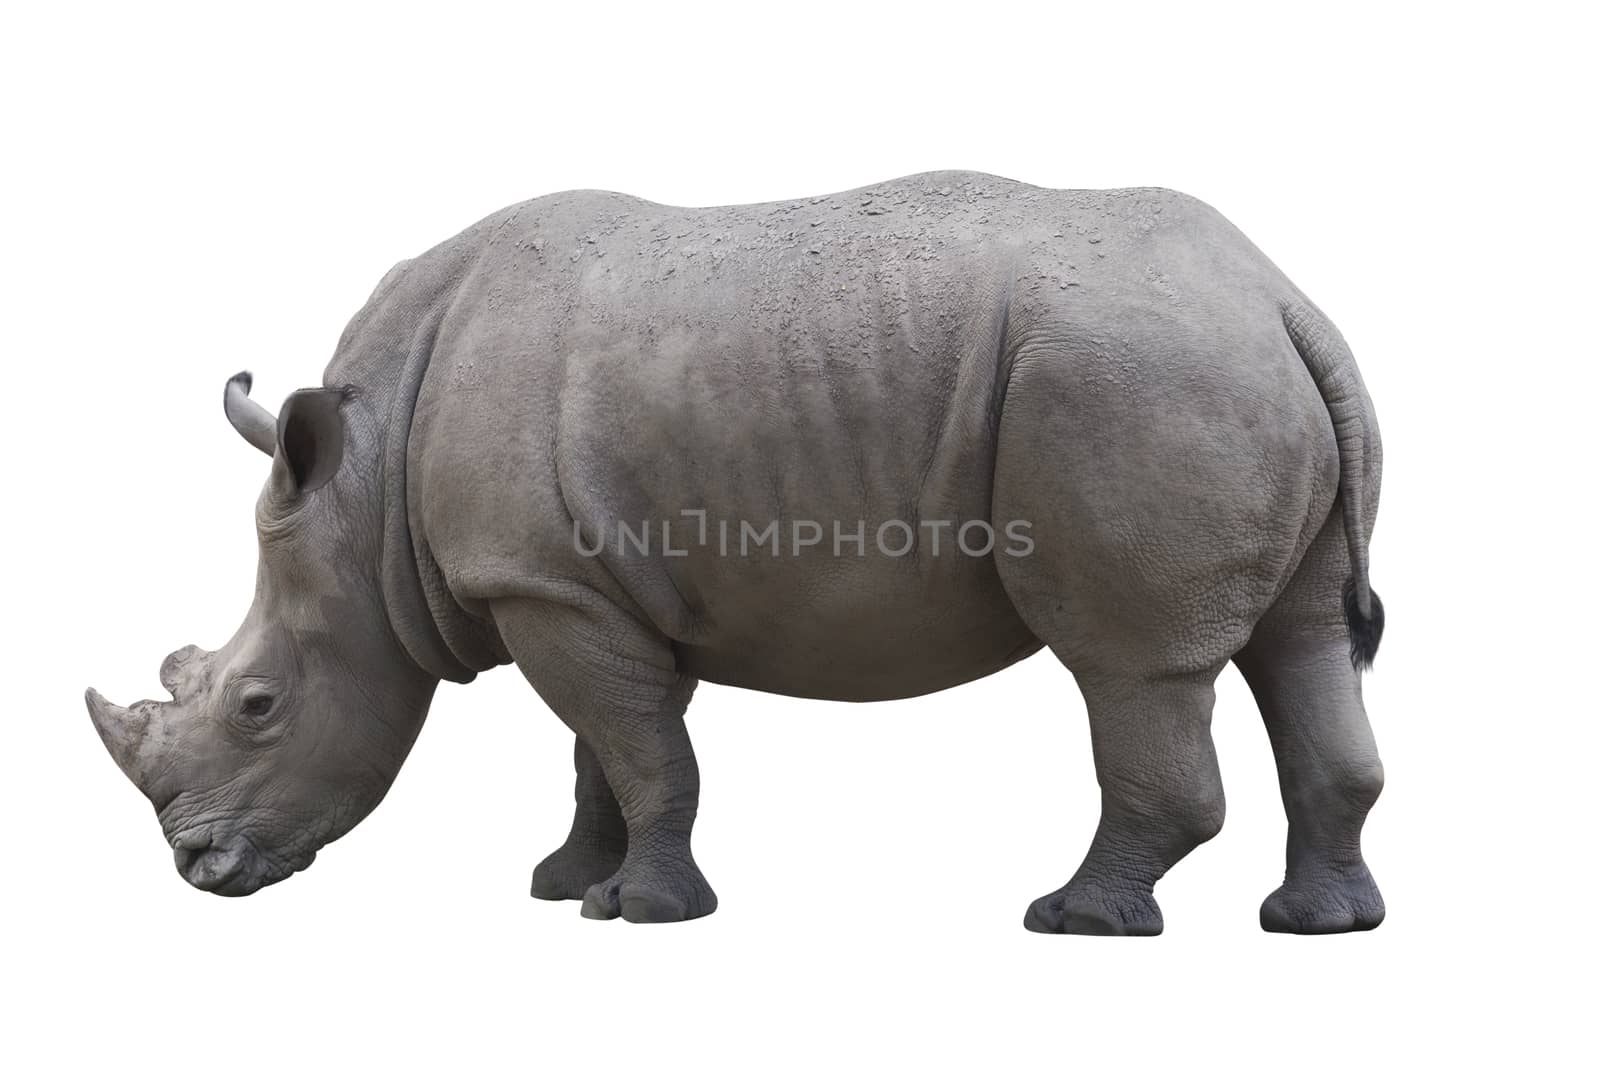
(853, 447)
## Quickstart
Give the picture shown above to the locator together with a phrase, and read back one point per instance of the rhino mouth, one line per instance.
(225, 872)
(231, 868)
(232, 871)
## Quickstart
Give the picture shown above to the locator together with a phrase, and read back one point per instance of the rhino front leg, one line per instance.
(598, 841)
(616, 684)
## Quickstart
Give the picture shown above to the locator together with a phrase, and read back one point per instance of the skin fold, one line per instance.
(1183, 436)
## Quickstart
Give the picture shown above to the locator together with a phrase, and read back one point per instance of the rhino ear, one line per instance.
(310, 440)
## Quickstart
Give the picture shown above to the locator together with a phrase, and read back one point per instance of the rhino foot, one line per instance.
(640, 893)
(1324, 902)
(1094, 910)
(568, 872)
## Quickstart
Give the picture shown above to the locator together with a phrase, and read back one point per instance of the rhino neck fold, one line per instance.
(435, 632)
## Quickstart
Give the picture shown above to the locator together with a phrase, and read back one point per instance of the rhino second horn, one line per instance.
(255, 423)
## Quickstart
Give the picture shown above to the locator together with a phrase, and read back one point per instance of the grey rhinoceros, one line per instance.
(855, 447)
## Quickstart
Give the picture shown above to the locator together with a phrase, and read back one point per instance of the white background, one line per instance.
(194, 191)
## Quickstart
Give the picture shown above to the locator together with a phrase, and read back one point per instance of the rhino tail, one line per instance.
(1333, 368)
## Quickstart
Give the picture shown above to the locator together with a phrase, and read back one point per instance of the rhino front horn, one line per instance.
(125, 732)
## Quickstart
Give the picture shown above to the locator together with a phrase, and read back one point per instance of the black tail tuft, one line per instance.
(1365, 631)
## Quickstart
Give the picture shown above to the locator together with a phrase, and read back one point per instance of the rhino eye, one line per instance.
(256, 707)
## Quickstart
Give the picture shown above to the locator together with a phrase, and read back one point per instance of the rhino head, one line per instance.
(287, 736)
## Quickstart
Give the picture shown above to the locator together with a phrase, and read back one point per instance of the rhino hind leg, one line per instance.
(1164, 517)
(598, 841)
(1298, 666)
(616, 684)
(1145, 658)
(1161, 796)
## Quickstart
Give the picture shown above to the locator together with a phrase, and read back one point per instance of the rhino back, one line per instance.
(833, 359)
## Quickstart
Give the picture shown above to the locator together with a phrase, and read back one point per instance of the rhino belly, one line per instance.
(857, 629)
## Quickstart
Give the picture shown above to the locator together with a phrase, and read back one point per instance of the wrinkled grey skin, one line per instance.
(1186, 434)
